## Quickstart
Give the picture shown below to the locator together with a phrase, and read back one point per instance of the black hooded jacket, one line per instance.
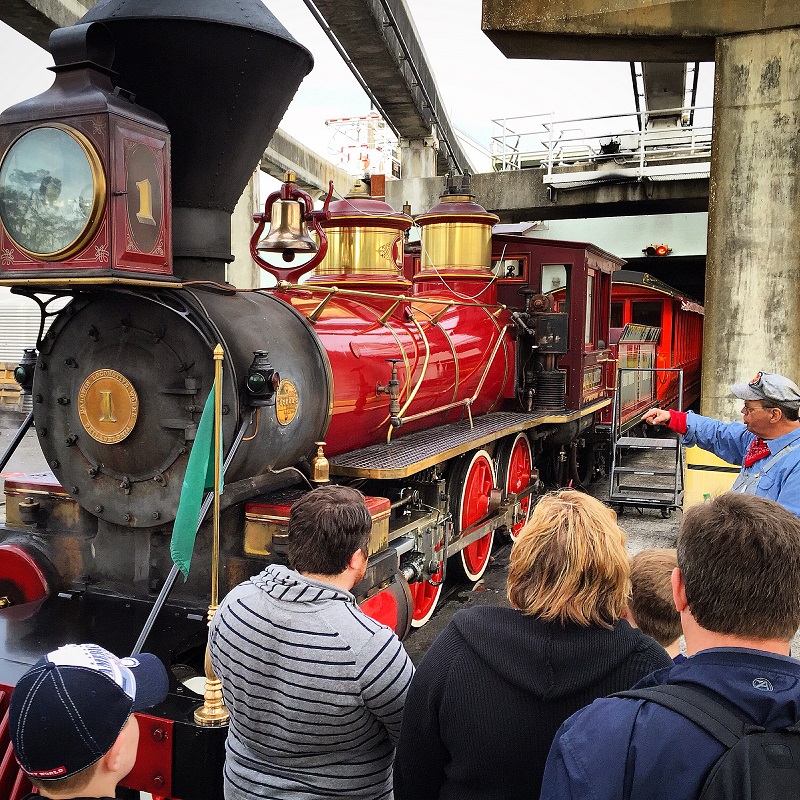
(491, 693)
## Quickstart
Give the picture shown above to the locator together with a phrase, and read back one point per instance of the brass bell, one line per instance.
(288, 232)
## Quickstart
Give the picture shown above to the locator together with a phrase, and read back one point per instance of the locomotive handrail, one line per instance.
(500, 340)
(436, 319)
(285, 286)
(398, 420)
(468, 401)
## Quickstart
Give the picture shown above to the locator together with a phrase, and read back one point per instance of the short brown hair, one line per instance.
(739, 556)
(569, 562)
(652, 606)
(326, 526)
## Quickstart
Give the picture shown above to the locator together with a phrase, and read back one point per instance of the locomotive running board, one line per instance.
(423, 449)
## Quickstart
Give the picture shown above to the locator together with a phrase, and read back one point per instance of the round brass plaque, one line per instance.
(108, 406)
(286, 400)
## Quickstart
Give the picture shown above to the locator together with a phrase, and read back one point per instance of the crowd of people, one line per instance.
(576, 691)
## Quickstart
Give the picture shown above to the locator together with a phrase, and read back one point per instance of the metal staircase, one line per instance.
(640, 476)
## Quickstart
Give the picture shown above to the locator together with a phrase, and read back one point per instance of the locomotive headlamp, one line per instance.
(262, 380)
(23, 374)
(85, 177)
(657, 250)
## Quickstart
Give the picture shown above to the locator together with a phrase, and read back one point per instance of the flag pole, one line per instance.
(213, 712)
(218, 356)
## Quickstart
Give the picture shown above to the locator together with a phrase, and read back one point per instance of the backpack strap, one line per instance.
(698, 707)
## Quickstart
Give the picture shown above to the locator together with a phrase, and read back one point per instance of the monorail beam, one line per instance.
(312, 171)
(35, 19)
(383, 46)
(521, 195)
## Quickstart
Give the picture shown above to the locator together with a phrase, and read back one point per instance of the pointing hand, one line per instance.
(656, 416)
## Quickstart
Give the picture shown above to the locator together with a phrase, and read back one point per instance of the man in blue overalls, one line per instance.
(766, 443)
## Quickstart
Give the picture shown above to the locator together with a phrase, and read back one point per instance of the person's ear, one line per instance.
(678, 590)
(121, 756)
(628, 616)
(357, 560)
(112, 760)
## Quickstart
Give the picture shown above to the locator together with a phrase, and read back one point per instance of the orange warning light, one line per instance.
(657, 250)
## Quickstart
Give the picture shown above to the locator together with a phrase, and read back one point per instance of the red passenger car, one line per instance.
(654, 325)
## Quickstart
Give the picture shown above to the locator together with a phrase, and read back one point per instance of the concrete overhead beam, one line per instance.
(313, 172)
(36, 19)
(365, 31)
(627, 30)
(521, 196)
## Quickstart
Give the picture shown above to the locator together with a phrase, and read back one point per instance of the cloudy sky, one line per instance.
(477, 83)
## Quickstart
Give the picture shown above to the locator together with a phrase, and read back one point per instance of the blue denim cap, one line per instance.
(769, 386)
(68, 709)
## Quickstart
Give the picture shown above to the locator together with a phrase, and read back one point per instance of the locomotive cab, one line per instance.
(576, 279)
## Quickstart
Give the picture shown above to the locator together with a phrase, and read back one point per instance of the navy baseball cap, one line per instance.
(68, 709)
(770, 387)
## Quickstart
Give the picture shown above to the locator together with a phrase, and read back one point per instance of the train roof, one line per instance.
(633, 278)
(561, 243)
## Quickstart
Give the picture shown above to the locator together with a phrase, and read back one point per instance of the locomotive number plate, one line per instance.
(108, 406)
(286, 401)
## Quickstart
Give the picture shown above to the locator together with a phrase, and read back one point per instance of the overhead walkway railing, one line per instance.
(613, 147)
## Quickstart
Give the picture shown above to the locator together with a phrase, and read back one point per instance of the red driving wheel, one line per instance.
(391, 606)
(514, 467)
(471, 484)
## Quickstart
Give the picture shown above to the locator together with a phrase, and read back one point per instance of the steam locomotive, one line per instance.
(449, 384)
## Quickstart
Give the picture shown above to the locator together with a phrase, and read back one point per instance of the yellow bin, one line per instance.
(706, 474)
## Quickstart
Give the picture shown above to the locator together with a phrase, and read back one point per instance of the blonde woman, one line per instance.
(497, 683)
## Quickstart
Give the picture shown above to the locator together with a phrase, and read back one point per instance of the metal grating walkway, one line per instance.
(422, 449)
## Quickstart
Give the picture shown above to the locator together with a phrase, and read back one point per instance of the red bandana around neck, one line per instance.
(758, 449)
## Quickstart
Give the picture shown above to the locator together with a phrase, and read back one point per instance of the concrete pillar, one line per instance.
(243, 272)
(418, 157)
(753, 267)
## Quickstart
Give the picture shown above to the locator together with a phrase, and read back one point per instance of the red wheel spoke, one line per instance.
(518, 469)
(474, 506)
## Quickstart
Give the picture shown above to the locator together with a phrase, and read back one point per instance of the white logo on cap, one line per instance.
(762, 684)
(99, 659)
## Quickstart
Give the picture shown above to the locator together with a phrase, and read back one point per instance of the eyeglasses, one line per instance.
(747, 410)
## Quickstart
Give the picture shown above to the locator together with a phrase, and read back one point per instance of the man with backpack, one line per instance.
(723, 723)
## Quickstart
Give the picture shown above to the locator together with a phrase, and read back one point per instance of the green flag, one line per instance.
(199, 477)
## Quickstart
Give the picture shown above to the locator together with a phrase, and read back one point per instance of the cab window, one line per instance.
(555, 281)
(509, 268)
